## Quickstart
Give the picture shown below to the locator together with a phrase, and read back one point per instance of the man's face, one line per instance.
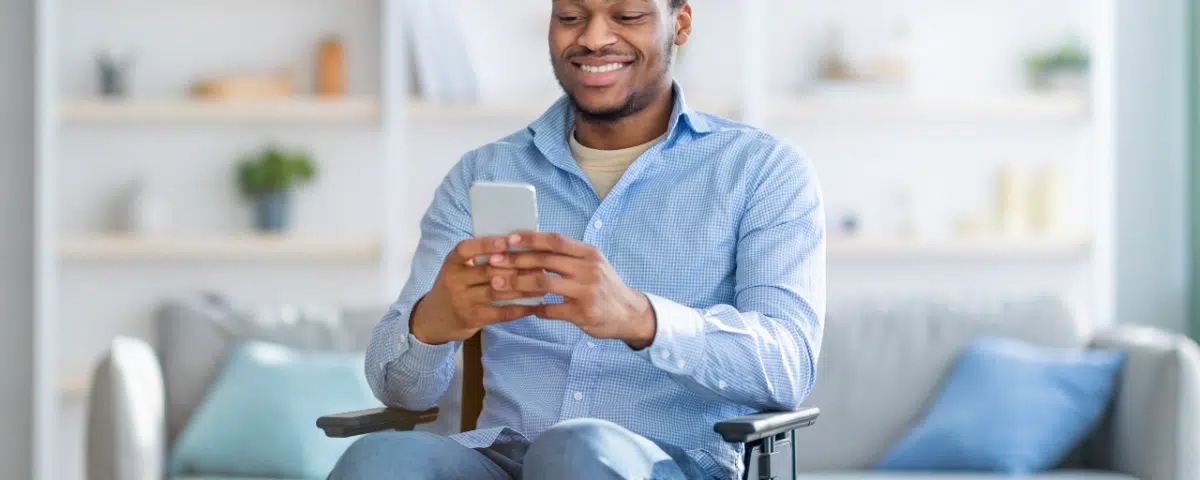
(612, 57)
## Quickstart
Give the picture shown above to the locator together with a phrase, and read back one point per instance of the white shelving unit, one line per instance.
(297, 109)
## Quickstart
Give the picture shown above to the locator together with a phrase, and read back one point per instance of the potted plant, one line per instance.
(268, 177)
(1063, 68)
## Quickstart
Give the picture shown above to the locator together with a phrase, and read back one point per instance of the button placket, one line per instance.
(577, 383)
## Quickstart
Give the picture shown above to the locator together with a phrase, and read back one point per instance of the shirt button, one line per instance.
(665, 355)
(721, 384)
(680, 363)
(591, 344)
(599, 224)
(578, 396)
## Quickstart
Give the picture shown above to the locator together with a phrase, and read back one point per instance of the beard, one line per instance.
(637, 100)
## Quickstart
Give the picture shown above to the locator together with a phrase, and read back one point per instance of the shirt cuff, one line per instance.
(679, 339)
(422, 358)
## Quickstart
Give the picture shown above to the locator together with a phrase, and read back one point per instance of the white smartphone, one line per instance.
(501, 208)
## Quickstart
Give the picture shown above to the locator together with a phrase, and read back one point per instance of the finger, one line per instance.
(468, 249)
(541, 283)
(488, 315)
(552, 242)
(483, 275)
(478, 295)
(560, 264)
(485, 295)
(557, 311)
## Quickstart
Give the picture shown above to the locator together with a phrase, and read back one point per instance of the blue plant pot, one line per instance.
(273, 211)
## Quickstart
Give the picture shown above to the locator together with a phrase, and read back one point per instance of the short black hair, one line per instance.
(676, 4)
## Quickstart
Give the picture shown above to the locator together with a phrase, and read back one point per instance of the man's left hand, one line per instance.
(595, 297)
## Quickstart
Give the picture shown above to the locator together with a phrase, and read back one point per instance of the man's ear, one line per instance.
(683, 24)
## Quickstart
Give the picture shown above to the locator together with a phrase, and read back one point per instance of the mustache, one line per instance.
(584, 52)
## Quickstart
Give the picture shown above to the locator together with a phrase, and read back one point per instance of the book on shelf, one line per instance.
(445, 73)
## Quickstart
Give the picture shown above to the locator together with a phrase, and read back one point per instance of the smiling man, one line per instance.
(682, 257)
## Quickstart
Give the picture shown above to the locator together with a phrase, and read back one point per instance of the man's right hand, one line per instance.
(458, 305)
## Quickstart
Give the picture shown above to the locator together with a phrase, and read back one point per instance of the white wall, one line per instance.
(1151, 245)
(16, 237)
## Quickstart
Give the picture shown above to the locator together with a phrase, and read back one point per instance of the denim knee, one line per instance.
(590, 448)
(380, 455)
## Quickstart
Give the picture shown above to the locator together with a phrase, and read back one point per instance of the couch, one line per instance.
(881, 364)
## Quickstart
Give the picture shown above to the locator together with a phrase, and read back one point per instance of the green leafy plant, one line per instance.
(273, 170)
(1070, 57)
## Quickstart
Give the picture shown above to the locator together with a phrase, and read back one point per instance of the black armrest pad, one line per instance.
(349, 424)
(761, 425)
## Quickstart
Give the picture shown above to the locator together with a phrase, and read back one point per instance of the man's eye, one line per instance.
(569, 18)
(631, 18)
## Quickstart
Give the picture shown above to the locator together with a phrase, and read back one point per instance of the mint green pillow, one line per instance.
(259, 417)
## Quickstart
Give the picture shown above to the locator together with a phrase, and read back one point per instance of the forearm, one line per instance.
(762, 361)
(403, 371)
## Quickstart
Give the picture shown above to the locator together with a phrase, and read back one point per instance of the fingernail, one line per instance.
(496, 259)
(514, 239)
(498, 283)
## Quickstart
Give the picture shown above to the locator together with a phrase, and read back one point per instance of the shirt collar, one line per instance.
(551, 129)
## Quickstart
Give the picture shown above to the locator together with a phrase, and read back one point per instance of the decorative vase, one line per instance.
(1012, 201)
(331, 67)
(273, 211)
(145, 210)
(113, 69)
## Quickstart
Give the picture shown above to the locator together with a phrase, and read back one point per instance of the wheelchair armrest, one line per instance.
(349, 424)
(762, 425)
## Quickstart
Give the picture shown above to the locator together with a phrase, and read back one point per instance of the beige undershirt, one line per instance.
(605, 167)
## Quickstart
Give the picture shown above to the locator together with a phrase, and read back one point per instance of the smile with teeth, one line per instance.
(602, 68)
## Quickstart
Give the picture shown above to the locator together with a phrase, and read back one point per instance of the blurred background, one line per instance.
(278, 155)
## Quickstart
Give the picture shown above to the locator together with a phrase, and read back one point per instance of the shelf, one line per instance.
(964, 248)
(1056, 107)
(302, 109)
(244, 248)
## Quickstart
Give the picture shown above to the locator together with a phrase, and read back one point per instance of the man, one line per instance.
(682, 257)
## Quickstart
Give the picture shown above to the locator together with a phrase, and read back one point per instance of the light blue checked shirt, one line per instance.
(721, 225)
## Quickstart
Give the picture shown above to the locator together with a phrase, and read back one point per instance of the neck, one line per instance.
(648, 124)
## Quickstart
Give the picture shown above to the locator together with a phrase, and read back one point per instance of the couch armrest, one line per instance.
(126, 424)
(349, 424)
(761, 425)
(1153, 429)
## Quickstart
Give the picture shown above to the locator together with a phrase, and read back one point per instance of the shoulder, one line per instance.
(757, 153)
(481, 162)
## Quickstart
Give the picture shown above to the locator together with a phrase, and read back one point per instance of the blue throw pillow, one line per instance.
(259, 417)
(1010, 407)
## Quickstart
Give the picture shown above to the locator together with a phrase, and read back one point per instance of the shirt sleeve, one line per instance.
(761, 351)
(402, 371)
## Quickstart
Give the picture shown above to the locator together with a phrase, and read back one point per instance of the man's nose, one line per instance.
(597, 34)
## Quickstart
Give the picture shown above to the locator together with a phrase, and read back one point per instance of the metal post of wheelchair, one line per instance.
(776, 457)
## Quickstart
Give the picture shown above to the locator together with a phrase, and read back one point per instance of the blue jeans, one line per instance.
(577, 449)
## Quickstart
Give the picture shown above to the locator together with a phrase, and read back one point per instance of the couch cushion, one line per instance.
(1010, 407)
(257, 419)
(196, 336)
(882, 363)
(865, 475)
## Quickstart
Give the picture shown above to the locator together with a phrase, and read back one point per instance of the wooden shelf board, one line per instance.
(307, 109)
(243, 247)
(966, 248)
(1056, 107)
